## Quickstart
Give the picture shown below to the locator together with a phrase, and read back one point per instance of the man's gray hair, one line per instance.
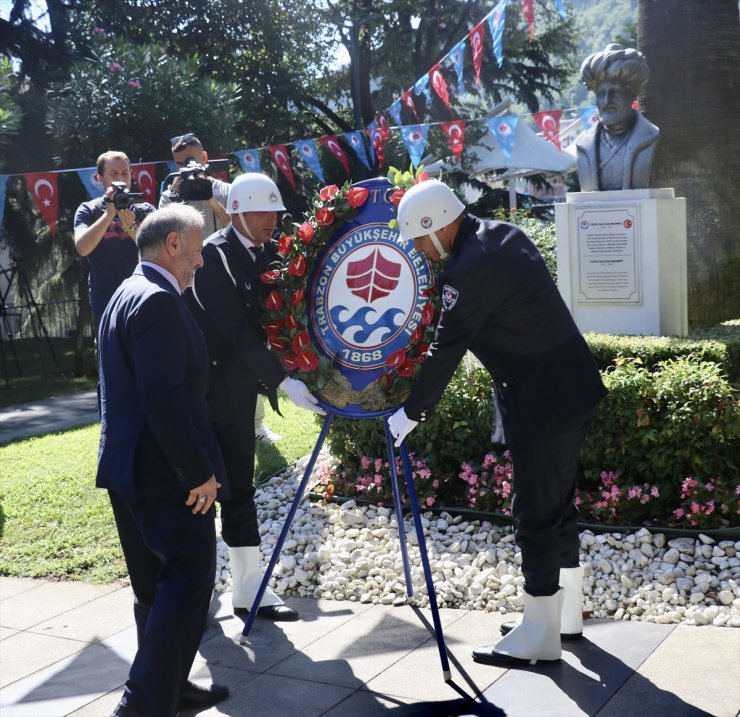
(624, 66)
(179, 218)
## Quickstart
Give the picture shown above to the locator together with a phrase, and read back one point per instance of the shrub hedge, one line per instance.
(664, 449)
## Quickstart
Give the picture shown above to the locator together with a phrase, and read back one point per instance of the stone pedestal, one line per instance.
(622, 261)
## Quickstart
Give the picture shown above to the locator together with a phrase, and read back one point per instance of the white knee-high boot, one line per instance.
(246, 576)
(571, 616)
(536, 637)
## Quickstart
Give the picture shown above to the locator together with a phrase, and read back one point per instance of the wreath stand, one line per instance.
(385, 414)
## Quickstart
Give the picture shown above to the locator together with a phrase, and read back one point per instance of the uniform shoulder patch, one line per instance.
(449, 297)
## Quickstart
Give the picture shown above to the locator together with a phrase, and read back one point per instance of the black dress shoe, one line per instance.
(507, 627)
(195, 696)
(488, 656)
(276, 613)
(124, 711)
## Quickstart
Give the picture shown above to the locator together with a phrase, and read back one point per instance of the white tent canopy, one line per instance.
(531, 154)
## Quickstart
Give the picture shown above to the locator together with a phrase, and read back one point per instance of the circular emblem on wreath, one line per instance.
(368, 292)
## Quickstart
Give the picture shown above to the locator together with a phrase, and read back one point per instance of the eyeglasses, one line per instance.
(184, 139)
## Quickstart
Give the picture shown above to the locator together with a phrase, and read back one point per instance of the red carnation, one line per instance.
(406, 369)
(427, 314)
(270, 277)
(291, 323)
(396, 196)
(284, 243)
(274, 301)
(325, 216)
(328, 193)
(305, 232)
(307, 361)
(356, 196)
(297, 266)
(396, 359)
(297, 297)
(289, 362)
(300, 341)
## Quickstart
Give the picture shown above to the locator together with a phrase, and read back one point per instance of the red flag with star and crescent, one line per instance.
(279, 154)
(440, 85)
(42, 186)
(528, 11)
(408, 99)
(455, 133)
(145, 176)
(332, 144)
(476, 45)
(549, 122)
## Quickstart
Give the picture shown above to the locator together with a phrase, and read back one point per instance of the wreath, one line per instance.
(285, 317)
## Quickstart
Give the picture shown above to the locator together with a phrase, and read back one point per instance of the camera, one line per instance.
(194, 182)
(123, 197)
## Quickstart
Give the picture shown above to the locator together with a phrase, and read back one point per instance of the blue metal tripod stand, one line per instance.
(331, 413)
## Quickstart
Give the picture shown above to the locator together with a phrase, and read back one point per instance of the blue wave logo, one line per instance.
(364, 329)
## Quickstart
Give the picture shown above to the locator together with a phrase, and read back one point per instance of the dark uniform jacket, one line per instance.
(225, 300)
(156, 437)
(500, 302)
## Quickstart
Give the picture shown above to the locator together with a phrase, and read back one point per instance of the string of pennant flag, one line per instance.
(368, 144)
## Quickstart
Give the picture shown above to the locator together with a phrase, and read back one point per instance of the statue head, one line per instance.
(616, 75)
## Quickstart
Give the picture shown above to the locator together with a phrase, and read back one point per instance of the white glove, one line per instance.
(300, 395)
(401, 425)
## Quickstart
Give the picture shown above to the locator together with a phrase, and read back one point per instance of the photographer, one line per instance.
(105, 230)
(187, 150)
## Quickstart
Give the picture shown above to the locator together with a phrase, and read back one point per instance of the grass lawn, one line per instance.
(36, 375)
(55, 524)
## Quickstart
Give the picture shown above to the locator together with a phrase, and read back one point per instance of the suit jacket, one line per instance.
(156, 437)
(500, 302)
(638, 153)
(226, 302)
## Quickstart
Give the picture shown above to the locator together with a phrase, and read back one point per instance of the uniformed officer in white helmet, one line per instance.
(226, 302)
(500, 302)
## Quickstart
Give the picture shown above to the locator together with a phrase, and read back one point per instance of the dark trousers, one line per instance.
(171, 558)
(235, 434)
(544, 514)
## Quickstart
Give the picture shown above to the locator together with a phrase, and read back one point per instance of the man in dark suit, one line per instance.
(226, 301)
(500, 302)
(160, 463)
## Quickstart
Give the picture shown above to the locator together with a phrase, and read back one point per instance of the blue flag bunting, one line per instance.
(370, 133)
(307, 150)
(457, 58)
(497, 21)
(249, 160)
(395, 111)
(357, 142)
(422, 86)
(87, 177)
(504, 128)
(561, 9)
(415, 139)
(3, 181)
(589, 116)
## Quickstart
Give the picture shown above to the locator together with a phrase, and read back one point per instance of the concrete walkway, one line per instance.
(66, 647)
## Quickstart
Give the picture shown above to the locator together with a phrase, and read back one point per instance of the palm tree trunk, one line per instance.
(693, 51)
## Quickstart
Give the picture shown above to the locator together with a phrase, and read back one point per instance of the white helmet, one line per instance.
(254, 192)
(426, 208)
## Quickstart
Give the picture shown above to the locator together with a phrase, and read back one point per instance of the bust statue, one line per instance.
(617, 152)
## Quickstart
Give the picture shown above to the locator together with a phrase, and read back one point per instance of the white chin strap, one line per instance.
(437, 245)
(247, 233)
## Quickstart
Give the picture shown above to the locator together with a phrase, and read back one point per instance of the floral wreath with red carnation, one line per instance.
(285, 317)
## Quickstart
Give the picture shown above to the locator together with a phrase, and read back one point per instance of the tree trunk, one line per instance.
(693, 96)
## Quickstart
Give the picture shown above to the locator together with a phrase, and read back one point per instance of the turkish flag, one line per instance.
(145, 176)
(455, 133)
(528, 10)
(379, 138)
(279, 153)
(476, 45)
(42, 186)
(408, 99)
(332, 144)
(440, 85)
(549, 122)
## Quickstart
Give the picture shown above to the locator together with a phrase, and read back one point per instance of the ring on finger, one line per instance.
(202, 499)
